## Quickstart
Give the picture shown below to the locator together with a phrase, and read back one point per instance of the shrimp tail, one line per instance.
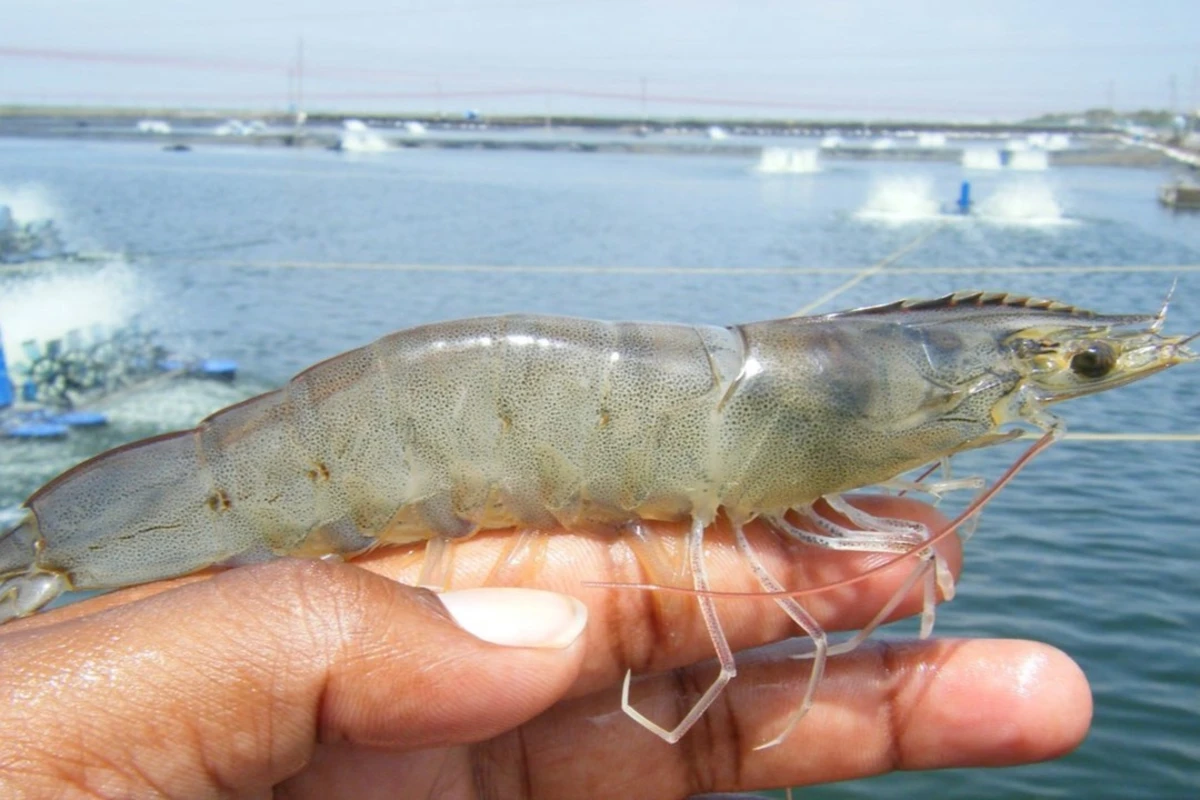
(25, 586)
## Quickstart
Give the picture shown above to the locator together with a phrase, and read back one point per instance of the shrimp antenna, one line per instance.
(971, 510)
(1161, 317)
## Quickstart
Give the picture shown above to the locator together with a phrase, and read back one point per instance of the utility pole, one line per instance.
(296, 78)
(1111, 95)
(300, 79)
(645, 117)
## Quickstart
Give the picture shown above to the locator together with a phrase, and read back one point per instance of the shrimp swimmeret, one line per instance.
(548, 423)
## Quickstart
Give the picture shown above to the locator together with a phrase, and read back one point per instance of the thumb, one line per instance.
(230, 682)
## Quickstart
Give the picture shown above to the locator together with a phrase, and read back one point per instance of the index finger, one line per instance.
(641, 630)
(646, 631)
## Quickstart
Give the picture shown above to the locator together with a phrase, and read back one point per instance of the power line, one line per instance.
(874, 269)
(141, 59)
(403, 11)
(544, 269)
(482, 71)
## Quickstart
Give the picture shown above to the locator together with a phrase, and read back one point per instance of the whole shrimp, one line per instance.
(545, 423)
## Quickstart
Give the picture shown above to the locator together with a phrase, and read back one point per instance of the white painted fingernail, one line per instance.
(517, 617)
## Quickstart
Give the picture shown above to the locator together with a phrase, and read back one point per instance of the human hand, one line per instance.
(325, 680)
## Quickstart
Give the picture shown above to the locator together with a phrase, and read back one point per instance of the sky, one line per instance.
(911, 59)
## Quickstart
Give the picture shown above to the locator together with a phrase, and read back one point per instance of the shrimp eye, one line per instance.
(1095, 362)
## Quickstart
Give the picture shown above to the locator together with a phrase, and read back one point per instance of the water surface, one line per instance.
(279, 258)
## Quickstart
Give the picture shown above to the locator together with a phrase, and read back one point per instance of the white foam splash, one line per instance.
(1049, 141)
(1029, 160)
(29, 202)
(1025, 202)
(357, 137)
(788, 160)
(901, 200)
(1017, 156)
(49, 307)
(981, 158)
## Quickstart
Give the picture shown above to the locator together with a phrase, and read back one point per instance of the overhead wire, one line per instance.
(733, 271)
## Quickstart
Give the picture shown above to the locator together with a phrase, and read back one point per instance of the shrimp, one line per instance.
(537, 422)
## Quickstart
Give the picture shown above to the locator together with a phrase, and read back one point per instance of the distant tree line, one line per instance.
(1107, 117)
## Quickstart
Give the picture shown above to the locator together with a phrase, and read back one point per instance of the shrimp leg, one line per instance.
(882, 536)
(821, 649)
(435, 568)
(708, 611)
(864, 633)
(520, 560)
(803, 619)
(908, 531)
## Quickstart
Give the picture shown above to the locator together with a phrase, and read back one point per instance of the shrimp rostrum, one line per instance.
(544, 423)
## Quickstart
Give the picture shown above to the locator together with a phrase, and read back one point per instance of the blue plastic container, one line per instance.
(6, 386)
(80, 419)
(36, 430)
(221, 369)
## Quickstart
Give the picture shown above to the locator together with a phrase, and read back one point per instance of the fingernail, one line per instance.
(517, 617)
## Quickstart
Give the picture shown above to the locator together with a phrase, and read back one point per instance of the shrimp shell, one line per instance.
(539, 422)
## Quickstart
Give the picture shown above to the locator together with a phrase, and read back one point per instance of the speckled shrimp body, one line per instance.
(540, 422)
